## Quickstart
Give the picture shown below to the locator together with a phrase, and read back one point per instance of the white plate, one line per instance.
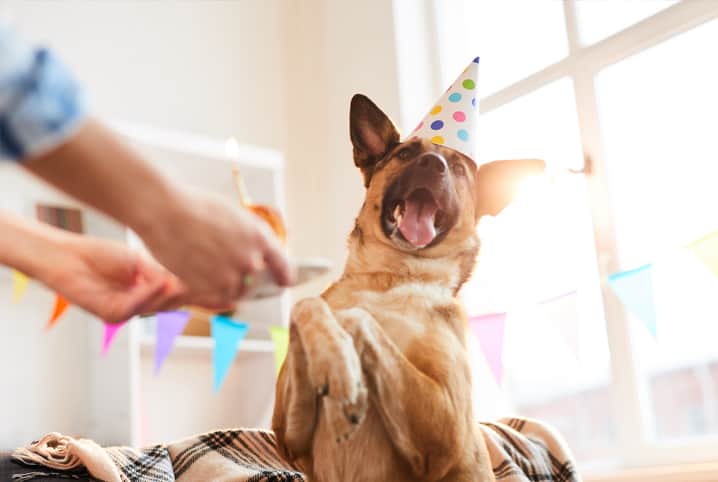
(304, 271)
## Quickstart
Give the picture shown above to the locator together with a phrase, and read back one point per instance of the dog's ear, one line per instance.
(496, 183)
(372, 133)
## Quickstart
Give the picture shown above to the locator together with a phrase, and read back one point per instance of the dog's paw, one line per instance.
(345, 418)
(333, 366)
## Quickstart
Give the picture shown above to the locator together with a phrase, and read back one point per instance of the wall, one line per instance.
(45, 376)
(333, 49)
(208, 67)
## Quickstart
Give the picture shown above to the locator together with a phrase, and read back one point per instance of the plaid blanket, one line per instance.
(521, 450)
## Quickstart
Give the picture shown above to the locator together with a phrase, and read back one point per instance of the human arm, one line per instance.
(105, 278)
(209, 245)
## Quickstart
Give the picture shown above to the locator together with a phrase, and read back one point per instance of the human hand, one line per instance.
(110, 280)
(213, 248)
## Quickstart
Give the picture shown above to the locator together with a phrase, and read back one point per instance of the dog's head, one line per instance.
(423, 198)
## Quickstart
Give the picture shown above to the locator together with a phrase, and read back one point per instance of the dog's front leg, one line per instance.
(321, 362)
(423, 407)
(295, 406)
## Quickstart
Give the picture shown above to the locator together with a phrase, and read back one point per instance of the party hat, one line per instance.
(451, 122)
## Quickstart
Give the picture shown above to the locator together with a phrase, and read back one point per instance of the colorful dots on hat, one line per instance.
(459, 116)
(468, 84)
(463, 134)
(473, 102)
(437, 140)
(476, 60)
(436, 125)
(455, 97)
(436, 110)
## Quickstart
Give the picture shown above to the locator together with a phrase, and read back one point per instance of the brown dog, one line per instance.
(376, 385)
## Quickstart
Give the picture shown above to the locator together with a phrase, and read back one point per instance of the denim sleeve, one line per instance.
(41, 105)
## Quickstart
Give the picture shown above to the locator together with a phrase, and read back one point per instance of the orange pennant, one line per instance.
(61, 305)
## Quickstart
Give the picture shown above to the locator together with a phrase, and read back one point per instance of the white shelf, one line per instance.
(203, 147)
(206, 343)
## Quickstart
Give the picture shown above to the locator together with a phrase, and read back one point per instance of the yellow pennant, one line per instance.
(19, 285)
(706, 250)
(280, 337)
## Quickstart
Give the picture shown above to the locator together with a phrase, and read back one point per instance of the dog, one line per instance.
(376, 385)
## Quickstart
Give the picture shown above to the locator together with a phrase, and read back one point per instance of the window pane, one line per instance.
(598, 19)
(658, 120)
(541, 125)
(539, 247)
(514, 38)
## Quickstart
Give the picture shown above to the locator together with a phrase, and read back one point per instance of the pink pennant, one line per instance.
(111, 330)
(489, 329)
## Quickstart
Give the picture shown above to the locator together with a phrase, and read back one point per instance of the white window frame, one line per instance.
(630, 410)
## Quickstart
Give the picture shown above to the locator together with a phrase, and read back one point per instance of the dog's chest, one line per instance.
(404, 312)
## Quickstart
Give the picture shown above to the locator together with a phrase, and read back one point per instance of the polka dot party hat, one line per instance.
(451, 122)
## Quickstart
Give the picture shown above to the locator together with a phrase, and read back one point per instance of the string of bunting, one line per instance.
(226, 333)
(634, 288)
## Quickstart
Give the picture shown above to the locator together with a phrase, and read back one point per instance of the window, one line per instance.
(632, 85)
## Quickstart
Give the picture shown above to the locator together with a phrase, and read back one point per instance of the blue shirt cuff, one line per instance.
(41, 105)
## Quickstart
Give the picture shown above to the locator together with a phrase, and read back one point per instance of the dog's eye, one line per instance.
(458, 169)
(404, 154)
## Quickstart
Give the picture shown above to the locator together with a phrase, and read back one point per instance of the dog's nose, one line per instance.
(433, 161)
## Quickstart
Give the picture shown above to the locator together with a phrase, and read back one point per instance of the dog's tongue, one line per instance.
(417, 222)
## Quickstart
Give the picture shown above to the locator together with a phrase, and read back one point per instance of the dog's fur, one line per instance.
(376, 385)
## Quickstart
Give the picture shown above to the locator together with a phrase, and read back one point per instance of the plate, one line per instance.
(304, 272)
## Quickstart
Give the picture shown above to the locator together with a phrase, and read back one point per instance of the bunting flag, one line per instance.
(61, 305)
(227, 335)
(489, 329)
(170, 324)
(706, 250)
(111, 330)
(19, 285)
(635, 290)
(562, 312)
(280, 337)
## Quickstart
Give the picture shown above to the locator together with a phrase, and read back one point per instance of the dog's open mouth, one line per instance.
(417, 218)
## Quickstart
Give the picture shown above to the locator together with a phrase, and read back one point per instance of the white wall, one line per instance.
(204, 66)
(45, 376)
(333, 49)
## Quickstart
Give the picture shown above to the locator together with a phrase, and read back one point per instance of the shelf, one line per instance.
(205, 343)
(201, 146)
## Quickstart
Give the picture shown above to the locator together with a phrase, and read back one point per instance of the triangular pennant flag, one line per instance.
(19, 285)
(635, 290)
(61, 305)
(227, 335)
(562, 312)
(170, 324)
(108, 337)
(706, 249)
(280, 337)
(489, 329)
